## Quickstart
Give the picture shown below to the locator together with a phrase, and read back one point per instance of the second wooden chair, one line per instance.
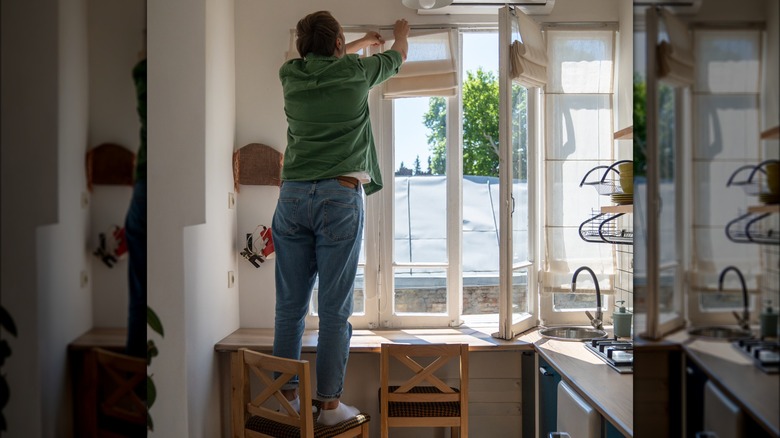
(424, 400)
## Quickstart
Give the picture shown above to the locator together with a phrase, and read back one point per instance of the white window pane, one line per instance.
(520, 298)
(420, 291)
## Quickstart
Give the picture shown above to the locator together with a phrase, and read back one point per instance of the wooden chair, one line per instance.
(415, 404)
(119, 384)
(252, 419)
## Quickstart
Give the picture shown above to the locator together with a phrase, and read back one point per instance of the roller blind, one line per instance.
(675, 53)
(528, 55)
(430, 68)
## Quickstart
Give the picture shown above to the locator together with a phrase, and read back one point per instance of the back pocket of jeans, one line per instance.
(285, 219)
(341, 220)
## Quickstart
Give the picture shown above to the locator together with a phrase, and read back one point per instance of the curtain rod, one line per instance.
(581, 25)
(608, 25)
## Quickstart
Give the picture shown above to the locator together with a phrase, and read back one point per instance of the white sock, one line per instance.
(343, 412)
(296, 404)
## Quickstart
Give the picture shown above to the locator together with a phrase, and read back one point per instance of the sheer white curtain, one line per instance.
(727, 124)
(578, 136)
(430, 68)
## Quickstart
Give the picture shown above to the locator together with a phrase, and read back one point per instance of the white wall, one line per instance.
(115, 32)
(29, 141)
(191, 230)
(44, 226)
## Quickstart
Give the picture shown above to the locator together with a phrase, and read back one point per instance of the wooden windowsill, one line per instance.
(370, 341)
(110, 338)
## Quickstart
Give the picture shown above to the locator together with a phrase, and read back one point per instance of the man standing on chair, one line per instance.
(318, 223)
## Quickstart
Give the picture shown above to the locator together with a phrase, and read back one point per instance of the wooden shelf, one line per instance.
(618, 208)
(625, 134)
(770, 208)
(771, 133)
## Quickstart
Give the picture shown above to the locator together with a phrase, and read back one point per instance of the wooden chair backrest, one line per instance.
(120, 377)
(264, 366)
(424, 375)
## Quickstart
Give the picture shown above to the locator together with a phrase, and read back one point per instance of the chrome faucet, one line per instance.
(597, 321)
(744, 320)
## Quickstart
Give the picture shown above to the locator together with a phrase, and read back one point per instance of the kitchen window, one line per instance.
(579, 126)
(726, 112)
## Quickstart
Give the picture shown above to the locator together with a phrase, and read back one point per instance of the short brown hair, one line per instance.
(317, 33)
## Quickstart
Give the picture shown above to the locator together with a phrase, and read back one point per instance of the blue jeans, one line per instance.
(135, 234)
(317, 229)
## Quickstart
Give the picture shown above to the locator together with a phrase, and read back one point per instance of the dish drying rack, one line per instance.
(602, 226)
(606, 185)
(752, 186)
(751, 227)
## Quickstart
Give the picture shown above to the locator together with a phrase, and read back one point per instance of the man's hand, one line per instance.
(368, 40)
(373, 39)
(401, 33)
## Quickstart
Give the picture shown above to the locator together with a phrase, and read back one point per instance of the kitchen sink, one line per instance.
(572, 333)
(719, 332)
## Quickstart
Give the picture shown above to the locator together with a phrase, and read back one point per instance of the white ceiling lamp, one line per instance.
(426, 4)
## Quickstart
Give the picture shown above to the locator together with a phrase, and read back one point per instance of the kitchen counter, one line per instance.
(608, 391)
(754, 391)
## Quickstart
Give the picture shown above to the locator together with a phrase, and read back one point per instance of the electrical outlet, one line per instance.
(84, 200)
(372, 325)
(387, 324)
(84, 279)
(231, 279)
(231, 200)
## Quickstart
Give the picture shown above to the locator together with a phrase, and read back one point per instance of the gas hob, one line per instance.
(619, 355)
(765, 354)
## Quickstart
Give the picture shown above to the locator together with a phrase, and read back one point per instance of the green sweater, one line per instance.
(326, 103)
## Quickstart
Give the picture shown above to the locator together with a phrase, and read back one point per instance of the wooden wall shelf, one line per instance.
(770, 208)
(625, 134)
(771, 133)
(618, 208)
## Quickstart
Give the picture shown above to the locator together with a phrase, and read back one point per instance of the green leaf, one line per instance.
(7, 322)
(151, 391)
(154, 321)
(151, 351)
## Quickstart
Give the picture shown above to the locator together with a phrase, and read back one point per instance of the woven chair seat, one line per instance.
(281, 430)
(423, 409)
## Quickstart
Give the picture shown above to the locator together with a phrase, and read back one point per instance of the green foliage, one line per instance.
(640, 126)
(480, 127)
(154, 321)
(666, 128)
